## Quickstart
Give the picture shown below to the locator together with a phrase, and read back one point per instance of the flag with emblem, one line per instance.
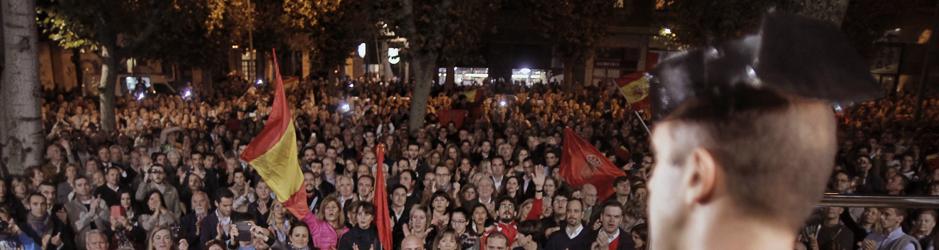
(273, 153)
(582, 163)
(635, 88)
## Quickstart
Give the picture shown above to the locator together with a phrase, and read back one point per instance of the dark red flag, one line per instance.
(382, 219)
(581, 163)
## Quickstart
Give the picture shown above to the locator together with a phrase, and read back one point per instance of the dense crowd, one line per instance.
(170, 177)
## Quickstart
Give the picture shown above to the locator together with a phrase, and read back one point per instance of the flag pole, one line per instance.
(649, 132)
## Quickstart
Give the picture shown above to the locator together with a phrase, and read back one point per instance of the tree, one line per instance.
(115, 30)
(575, 27)
(22, 140)
(430, 28)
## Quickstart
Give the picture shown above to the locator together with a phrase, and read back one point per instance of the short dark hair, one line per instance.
(738, 125)
(225, 193)
(619, 180)
(367, 207)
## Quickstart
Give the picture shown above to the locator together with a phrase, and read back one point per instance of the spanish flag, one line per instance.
(635, 88)
(273, 153)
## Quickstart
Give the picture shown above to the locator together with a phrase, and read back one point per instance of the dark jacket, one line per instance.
(363, 238)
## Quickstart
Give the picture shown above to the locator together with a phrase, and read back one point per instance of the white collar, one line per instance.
(580, 228)
(613, 236)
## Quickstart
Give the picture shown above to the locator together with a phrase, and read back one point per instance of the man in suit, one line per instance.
(220, 218)
(573, 234)
(86, 213)
(191, 222)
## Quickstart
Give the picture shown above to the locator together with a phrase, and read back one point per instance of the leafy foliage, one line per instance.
(574, 26)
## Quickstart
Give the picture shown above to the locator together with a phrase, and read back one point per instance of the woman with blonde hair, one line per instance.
(277, 221)
(328, 224)
(161, 238)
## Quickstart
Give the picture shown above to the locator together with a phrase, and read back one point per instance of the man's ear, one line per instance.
(701, 177)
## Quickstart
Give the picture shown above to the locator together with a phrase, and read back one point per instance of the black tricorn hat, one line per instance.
(790, 54)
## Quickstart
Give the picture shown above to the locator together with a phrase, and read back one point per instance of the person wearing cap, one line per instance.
(739, 170)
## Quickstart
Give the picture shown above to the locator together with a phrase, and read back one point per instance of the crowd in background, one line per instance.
(170, 176)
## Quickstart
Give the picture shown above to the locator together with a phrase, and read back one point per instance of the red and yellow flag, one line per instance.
(273, 153)
(581, 163)
(635, 87)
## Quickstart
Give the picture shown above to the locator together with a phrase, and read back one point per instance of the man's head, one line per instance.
(37, 205)
(157, 174)
(612, 216)
(345, 186)
(224, 203)
(498, 167)
(309, 181)
(442, 175)
(622, 186)
(96, 240)
(497, 241)
(406, 179)
(414, 151)
(589, 193)
(200, 202)
(832, 213)
(308, 155)
(47, 189)
(575, 212)
(891, 218)
(506, 210)
(365, 185)
(113, 176)
(82, 187)
(754, 153)
(412, 243)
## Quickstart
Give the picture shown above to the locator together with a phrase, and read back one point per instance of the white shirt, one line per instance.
(613, 237)
(575, 233)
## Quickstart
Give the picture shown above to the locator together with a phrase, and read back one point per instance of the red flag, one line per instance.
(581, 163)
(635, 88)
(457, 116)
(382, 219)
(273, 153)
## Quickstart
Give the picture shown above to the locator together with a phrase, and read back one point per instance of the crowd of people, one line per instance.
(170, 176)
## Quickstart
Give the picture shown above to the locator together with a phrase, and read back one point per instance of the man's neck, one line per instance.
(832, 221)
(889, 230)
(715, 227)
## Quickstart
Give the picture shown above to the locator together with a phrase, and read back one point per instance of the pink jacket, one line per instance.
(323, 234)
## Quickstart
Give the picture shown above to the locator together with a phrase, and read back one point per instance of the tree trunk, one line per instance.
(451, 76)
(106, 86)
(423, 81)
(588, 68)
(23, 141)
(568, 73)
(387, 72)
(79, 72)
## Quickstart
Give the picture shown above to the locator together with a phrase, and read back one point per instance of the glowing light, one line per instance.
(344, 107)
(141, 95)
(665, 31)
(503, 103)
(393, 57)
(361, 50)
(187, 93)
(524, 70)
(259, 82)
